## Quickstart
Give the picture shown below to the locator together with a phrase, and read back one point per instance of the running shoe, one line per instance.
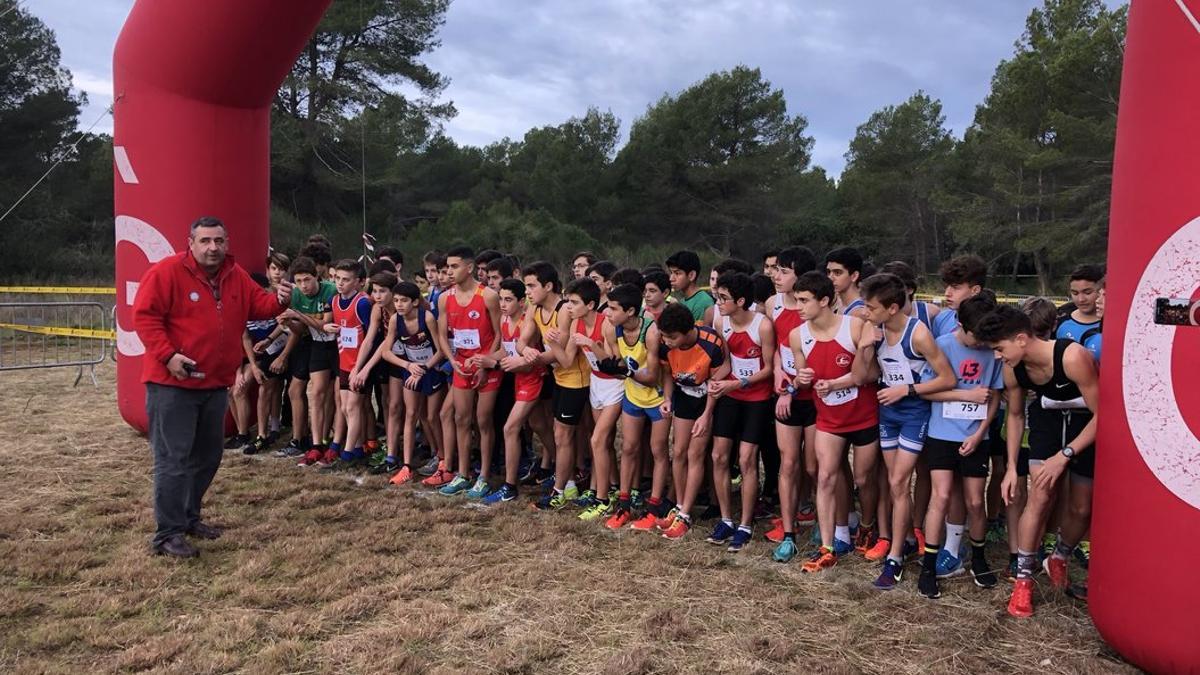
(1083, 554)
(678, 528)
(736, 483)
(506, 493)
(948, 565)
(618, 520)
(667, 520)
(596, 509)
(721, 534)
(459, 484)
(927, 585)
(586, 500)
(402, 476)
(814, 538)
(385, 467)
(236, 441)
(775, 534)
(310, 458)
(431, 467)
(1020, 604)
(559, 500)
(479, 490)
(1056, 569)
(637, 499)
(841, 548)
(1048, 542)
(739, 540)
(438, 479)
(328, 458)
(785, 551)
(807, 514)
(292, 449)
(879, 551)
(1011, 570)
(547, 482)
(256, 446)
(984, 577)
(571, 494)
(823, 559)
(378, 456)
(890, 576)
(919, 535)
(912, 549)
(645, 523)
(865, 539)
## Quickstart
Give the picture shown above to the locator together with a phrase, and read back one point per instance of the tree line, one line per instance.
(720, 166)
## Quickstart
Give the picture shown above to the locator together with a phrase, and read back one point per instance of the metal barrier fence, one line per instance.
(54, 335)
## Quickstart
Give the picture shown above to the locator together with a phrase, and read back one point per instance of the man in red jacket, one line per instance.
(190, 313)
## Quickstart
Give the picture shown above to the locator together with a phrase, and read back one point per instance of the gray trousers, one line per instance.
(186, 437)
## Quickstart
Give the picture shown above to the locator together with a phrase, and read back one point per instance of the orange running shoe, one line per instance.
(806, 514)
(823, 559)
(919, 534)
(617, 520)
(865, 539)
(1020, 604)
(666, 522)
(879, 551)
(678, 528)
(404, 475)
(1056, 569)
(775, 534)
(439, 477)
(645, 523)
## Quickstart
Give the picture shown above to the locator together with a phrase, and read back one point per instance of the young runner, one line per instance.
(957, 447)
(580, 264)
(636, 343)
(903, 349)
(411, 349)
(825, 348)
(351, 317)
(743, 404)
(470, 333)
(313, 357)
(1062, 433)
(694, 356)
(655, 292)
(528, 382)
(683, 268)
(372, 370)
(845, 269)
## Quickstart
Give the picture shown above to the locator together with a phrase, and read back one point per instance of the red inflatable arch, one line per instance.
(1148, 460)
(193, 82)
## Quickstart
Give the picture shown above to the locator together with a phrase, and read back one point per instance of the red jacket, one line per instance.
(177, 310)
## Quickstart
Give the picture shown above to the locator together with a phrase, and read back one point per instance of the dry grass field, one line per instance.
(319, 573)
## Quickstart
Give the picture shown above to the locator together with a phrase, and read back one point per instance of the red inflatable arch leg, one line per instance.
(1147, 494)
(193, 83)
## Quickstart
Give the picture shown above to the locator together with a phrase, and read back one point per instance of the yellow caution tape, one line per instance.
(63, 332)
(60, 290)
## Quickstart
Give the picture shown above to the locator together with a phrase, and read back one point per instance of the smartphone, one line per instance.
(1177, 312)
(190, 369)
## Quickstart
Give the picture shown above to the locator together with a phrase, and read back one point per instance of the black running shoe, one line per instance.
(984, 577)
(237, 441)
(927, 584)
(256, 446)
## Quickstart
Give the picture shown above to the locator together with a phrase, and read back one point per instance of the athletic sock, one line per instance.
(570, 484)
(929, 561)
(728, 522)
(977, 549)
(954, 535)
(336, 447)
(1026, 561)
(789, 536)
(745, 528)
(273, 424)
(842, 533)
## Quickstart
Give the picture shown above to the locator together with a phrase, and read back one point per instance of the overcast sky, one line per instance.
(525, 63)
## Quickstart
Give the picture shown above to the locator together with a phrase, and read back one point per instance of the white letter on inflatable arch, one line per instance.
(155, 247)
(1162, 436)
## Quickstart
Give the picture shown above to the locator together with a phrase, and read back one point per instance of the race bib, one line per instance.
(466, 338)
(419, 354)
(348, 338)
(963, 410)
(744, 367)
(695, 391)
(591, 357)
(510, 347)
(789, 361)
(896, 373)
(278, 345)
(840, 396)
(398, 348)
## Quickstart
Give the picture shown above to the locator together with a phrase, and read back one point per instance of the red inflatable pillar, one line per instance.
(193, 82)
(1147, 495)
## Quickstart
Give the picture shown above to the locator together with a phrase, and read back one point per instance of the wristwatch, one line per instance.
(912, 390)
(744, 381)
(1068, 452)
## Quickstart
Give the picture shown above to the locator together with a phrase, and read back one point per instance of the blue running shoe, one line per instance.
(721, 534)
(586, 499)
(890, 576)
(784, 552)
(948, 565)
(479, 490)
(547, 483)
(459, 484)
(841, 548)
(506, 493)
(740, 539)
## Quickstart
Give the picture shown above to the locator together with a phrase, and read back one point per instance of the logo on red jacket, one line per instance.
(842, 360)
(473, 314)
(753, 353)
